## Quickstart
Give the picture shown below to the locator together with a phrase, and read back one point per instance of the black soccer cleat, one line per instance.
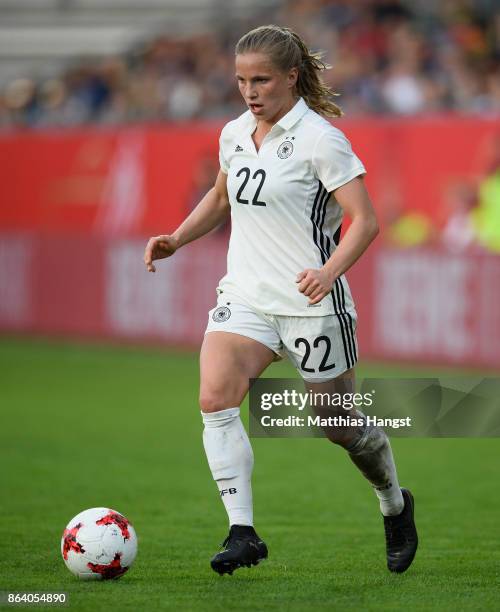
(401, 537)
(242, 547)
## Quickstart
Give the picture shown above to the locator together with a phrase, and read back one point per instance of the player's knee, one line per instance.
(372, 440)
(358, 438)
(340, 437)
(214, 401)
(339, 428)
(211, 402)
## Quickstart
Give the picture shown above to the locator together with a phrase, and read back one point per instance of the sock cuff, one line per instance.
(220, 417)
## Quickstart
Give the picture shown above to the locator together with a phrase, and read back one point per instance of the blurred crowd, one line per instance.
(469, 213)
(387, 56)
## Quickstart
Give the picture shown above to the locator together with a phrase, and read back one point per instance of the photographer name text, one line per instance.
(333, 421)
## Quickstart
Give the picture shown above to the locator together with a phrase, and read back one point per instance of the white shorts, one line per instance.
(321, 348)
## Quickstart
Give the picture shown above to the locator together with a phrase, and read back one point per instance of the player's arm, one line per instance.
(210, 212)
(355, 201)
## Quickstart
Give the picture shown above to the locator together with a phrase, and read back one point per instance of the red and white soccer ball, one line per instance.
(99, 544)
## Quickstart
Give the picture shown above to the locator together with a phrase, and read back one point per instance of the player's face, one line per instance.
(267, 91)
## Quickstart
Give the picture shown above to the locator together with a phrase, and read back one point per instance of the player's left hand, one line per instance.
(314, 284)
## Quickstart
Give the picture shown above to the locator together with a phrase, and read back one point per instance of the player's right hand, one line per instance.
(159, 247)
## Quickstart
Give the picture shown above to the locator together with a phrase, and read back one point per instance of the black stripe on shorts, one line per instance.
(322, 241)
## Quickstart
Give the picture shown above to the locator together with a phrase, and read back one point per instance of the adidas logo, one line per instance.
(238, 149)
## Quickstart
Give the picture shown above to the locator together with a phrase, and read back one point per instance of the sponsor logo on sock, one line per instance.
(238, 149)
(384, 487)
(230, 491)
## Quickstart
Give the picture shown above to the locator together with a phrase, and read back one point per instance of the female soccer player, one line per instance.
(286, 178)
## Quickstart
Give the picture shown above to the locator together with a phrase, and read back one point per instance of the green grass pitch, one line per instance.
(85, 425)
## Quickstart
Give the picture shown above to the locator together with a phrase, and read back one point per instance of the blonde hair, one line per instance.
(287, 50)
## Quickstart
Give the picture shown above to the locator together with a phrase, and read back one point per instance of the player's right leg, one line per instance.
(228, 360)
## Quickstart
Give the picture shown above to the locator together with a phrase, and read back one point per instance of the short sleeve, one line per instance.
(224, 166)
(333, 160)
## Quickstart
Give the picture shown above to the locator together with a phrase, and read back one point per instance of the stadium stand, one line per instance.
(67, 62)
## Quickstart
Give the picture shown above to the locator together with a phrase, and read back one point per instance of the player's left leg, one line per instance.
(368, 446)
(370, 450)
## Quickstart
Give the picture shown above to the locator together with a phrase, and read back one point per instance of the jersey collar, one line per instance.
(287, 121)
(297, 112)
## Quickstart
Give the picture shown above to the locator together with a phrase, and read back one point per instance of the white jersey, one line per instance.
(284, 217)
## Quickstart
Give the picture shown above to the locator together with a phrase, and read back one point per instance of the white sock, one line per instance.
(372, 454)
(230, 458)
(389, 496)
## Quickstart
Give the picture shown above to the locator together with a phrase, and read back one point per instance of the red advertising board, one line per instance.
(142, 180)
(76, 206)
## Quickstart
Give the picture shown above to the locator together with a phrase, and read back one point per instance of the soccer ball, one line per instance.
(99, 544)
